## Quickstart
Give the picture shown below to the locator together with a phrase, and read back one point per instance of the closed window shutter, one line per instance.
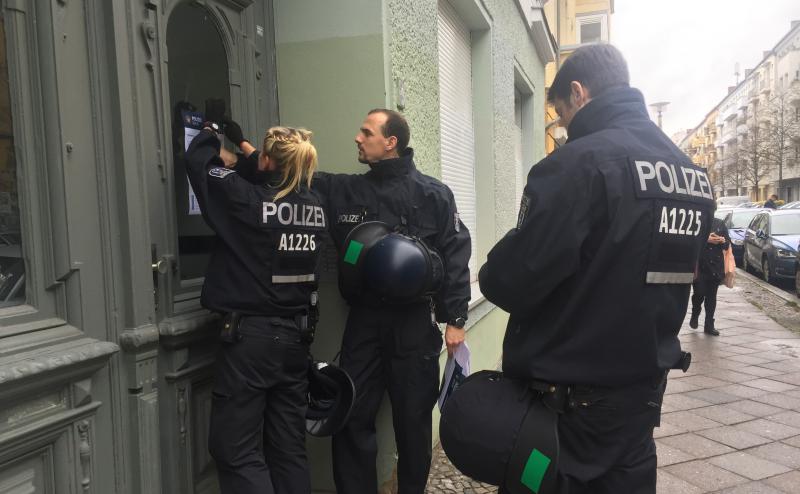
(455, 111)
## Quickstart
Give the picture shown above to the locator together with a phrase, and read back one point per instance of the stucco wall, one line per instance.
(511, 42)
(413, 55)
(414, 63)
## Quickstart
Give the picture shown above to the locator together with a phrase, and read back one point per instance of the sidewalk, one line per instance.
(729, 425)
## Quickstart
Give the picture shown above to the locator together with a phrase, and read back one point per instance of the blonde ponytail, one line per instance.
(295, 154)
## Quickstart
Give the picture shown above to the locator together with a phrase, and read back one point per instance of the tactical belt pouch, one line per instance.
(230, 327)
(307, 321)
(306, 325)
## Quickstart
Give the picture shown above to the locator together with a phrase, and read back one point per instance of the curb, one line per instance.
(766, 286)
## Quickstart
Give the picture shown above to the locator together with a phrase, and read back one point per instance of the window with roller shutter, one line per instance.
(456, 114)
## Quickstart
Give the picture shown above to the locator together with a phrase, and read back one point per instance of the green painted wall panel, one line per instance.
(328, 86)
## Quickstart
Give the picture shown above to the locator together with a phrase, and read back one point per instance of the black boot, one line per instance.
(708, 328)
(694, 319)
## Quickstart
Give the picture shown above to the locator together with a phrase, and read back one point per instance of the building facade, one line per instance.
(699, 144)
(105, 353)
(572, 23)
(758, 127)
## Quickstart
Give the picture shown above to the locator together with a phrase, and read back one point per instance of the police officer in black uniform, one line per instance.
(388, 347)
(263, 278)
(597, 287)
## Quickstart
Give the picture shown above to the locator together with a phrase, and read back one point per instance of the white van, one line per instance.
(732, 201)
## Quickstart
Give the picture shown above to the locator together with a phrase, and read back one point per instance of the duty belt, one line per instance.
(561, 397)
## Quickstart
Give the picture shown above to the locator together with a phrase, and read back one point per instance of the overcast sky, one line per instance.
(684, 51)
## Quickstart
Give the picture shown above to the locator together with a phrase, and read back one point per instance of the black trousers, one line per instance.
(395, 350)
(257, 434)
(704, 291)
(607, 446)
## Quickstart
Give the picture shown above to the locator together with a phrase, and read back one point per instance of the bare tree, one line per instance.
(755, 149)
(782, 134)
(732, 169)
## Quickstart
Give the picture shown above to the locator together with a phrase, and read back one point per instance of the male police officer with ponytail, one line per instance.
(598, 287)
(392, 345)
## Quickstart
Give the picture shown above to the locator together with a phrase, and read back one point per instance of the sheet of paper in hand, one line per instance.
(455, 371)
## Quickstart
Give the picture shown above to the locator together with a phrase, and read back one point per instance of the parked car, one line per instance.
(797, 275)
(771, 244)
(732, 201)
(737, 220)
(791, 205)
(721, 212)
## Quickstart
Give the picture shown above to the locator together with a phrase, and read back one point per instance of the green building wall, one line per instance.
(336, 61)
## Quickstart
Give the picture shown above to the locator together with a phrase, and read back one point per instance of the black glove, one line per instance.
(232, 131)
(215, 111)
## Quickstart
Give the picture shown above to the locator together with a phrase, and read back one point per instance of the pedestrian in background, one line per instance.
(710, 275)
(771, 202)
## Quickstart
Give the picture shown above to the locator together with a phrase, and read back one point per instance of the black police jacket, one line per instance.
(597, 285)
(711, 265)
(267, 254)
(395, 192)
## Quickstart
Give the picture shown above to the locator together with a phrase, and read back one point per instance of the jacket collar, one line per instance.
(273, 178)
(393, 167)
(612, 108)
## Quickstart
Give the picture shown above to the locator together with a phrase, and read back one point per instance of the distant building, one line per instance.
(758, 127)
(700, 145)
(680, 135)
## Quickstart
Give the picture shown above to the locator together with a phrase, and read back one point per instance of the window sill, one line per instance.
(479, 307)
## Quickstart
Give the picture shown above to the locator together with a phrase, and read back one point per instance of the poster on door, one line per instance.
(192, 125)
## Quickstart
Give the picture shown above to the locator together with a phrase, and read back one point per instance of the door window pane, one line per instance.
(12, 264)
(198, 69)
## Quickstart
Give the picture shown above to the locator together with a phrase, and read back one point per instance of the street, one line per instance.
(731, 423)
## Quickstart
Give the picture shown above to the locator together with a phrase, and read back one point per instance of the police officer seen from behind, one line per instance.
(262, 277)
(391, 346)
(597, 287)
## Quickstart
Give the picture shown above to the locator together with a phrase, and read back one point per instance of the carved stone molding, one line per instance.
(65, 362)
(182, 413)
(82, 393)
(85, 452)
(132, 340)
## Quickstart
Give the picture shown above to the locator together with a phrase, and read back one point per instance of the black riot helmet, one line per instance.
(392, 267)
(496, 430)
(357, 245)
(331, 395)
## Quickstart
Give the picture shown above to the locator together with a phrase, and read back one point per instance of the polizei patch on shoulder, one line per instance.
(219, 172)
(524, 206)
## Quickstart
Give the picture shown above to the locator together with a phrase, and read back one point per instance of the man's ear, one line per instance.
(391, 143)
(579, 93)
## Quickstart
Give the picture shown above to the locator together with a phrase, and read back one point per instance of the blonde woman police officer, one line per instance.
(263, 278)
